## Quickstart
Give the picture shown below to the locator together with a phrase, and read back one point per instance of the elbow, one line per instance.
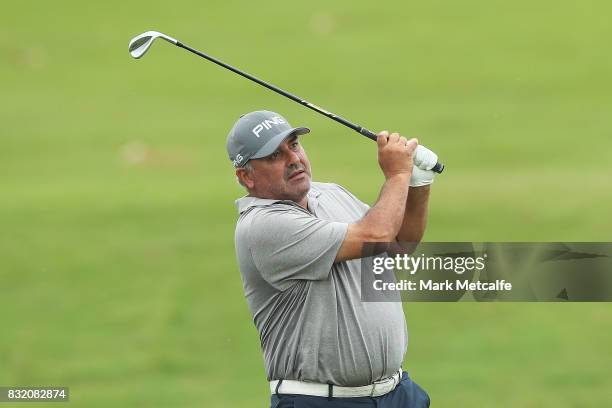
(418, 237)
(381, 235)
(408, 240)
(368, 231)
(414, 234)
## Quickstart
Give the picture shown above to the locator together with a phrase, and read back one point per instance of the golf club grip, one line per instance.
(437, 168)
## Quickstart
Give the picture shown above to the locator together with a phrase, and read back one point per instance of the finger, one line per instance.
(382, 138)
(403, 141)
(412, 144)
(394, 137)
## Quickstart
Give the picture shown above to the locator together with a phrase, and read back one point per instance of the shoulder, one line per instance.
(333, 189)
(330, 188)
(268, 220)
(321, 186)
(336, 198)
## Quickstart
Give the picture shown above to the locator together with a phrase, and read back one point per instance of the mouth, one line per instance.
(296, 174)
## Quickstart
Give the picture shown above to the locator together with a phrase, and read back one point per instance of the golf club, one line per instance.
(423, 158)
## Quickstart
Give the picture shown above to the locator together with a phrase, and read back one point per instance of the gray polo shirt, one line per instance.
(307, 309)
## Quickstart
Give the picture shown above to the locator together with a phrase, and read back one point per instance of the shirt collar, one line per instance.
(246, 202)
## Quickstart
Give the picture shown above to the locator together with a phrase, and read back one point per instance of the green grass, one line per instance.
(117, 269)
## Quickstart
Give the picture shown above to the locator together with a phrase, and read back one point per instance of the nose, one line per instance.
(293, 157)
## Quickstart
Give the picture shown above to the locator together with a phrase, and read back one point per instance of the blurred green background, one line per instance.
(117, 269)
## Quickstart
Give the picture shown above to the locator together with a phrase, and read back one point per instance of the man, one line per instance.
(298, 245)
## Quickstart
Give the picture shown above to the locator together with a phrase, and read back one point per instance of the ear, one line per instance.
(245, 177)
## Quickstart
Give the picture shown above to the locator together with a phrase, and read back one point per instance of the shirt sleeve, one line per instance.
(288, 244)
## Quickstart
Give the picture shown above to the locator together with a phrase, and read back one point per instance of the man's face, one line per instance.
(284, 175)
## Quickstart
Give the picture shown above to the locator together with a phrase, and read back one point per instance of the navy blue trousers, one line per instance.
(407, 394)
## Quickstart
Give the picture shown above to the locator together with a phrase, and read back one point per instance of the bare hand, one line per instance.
(395, 154)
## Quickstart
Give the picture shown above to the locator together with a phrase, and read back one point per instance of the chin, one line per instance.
(300, 190)
(306, 185)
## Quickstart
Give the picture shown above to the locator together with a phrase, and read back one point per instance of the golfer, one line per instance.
(298, 245)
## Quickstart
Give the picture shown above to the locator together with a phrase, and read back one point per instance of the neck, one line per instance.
(303, 202)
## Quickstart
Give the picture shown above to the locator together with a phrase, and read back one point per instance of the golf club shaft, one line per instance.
(438, 168)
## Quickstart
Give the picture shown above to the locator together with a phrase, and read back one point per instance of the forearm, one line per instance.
(384, 219)
(381, 223)
(415, 216)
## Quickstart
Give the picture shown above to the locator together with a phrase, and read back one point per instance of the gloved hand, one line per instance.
(424, 158)
(420, 177)
(427, 159)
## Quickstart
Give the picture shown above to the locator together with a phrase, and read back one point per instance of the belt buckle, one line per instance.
(385, 380)
(379, 382)
(373, 389)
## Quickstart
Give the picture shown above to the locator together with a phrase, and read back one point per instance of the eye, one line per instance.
(295, 145)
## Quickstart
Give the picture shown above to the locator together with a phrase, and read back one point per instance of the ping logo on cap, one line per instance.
(238, 160)
(267, 124)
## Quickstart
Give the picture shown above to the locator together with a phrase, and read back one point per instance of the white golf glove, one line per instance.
(424, 160)
(420, 177)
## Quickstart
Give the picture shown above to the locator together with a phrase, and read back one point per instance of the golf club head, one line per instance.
(141, 43)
